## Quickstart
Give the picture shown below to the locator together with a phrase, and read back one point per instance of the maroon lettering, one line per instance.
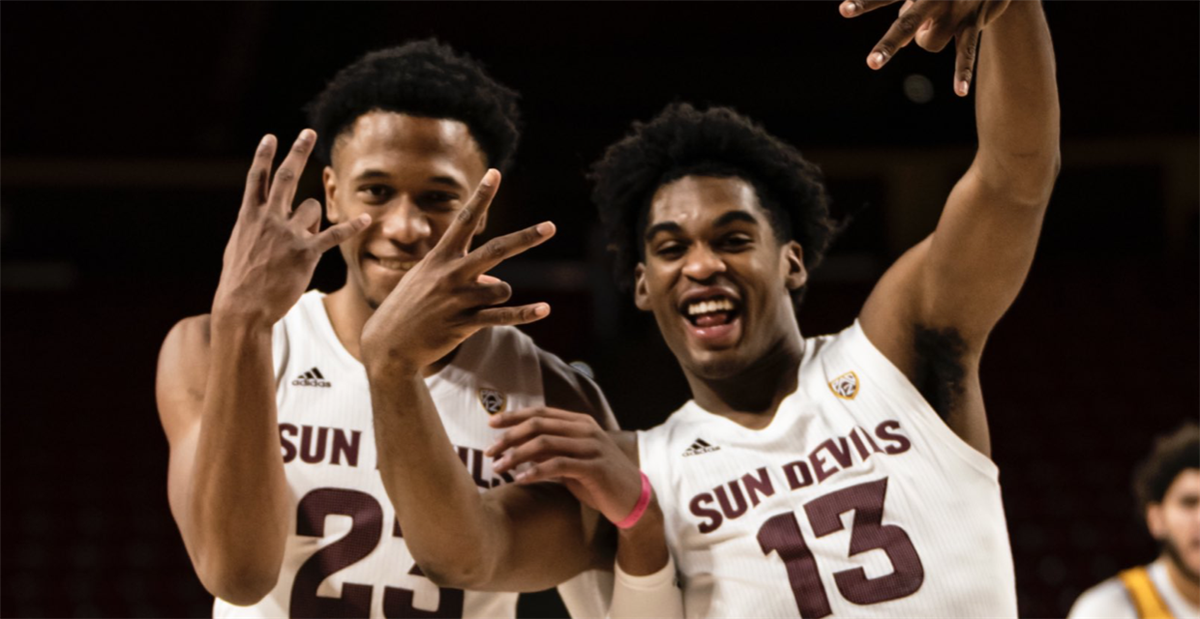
(818, 465)
(289, 448)
(755, 485)
(345, 447)
(714, 517)
(306, 444)
(735, 511)
(841, 455)
(867, 435)
(781, 534)
(477, 469)
(859, 446)
(398, 602)
(805, 478)
(902, 442)
(365, 531)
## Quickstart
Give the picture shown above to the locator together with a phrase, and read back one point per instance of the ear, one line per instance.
(329, 180)
(641, 293)
(792, 256)
(1155, 521)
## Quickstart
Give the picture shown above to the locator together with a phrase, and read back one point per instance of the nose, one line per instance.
(701, 263)
(406, 223)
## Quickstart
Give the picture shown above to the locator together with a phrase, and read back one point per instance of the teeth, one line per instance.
(708, 307)
(396, 265)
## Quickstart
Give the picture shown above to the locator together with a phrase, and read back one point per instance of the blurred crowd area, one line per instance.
(128, 127)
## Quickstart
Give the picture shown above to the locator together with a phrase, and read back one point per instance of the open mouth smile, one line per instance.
(712, 316)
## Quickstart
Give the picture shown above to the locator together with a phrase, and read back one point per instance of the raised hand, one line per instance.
(932, 23)
(573, 449)
(273, 250)
(446, 297)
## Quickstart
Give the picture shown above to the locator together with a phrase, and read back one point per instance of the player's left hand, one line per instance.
(570, 448)
(932, 23)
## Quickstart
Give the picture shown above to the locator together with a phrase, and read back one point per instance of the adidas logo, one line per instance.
(311, 378)
(700, 446)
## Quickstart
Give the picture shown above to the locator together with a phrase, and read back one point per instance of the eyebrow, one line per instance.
(371, 174)
(724, 220)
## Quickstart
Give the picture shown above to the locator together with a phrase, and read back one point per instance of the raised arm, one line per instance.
(512, 538)
(932, 311)
(216, 387)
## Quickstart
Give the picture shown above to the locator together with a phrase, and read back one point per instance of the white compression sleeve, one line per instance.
(654, 595)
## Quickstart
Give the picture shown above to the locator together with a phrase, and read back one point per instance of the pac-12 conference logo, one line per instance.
(493, 401)
(845, 386)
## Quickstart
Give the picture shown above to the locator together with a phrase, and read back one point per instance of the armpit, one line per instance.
(941, 368)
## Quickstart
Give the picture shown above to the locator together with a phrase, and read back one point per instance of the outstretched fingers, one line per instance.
(457, 239)
(283, 187)
(901, 33)
(501, 248)
(854, 8)
(336, 235)
(511, 316)
(258, 179)
(966, 47)
(535, 425)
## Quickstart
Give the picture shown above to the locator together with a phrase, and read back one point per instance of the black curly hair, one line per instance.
(1172, 455)
(681, 141)
(422, 78)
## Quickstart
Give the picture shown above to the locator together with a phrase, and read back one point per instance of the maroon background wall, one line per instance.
(127, 129)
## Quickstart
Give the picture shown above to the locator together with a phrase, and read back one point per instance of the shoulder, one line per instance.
(183, 371)
(1109, 599)
(568, 388)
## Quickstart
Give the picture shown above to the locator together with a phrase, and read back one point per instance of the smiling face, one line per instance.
(1176, 522)
(412, 175)
(716, 277)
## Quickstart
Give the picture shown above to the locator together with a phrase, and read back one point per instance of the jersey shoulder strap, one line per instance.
(1145, 597)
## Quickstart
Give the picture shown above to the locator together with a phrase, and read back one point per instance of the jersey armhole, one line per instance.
(925, 415)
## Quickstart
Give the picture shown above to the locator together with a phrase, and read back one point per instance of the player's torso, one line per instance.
(345, 554)
(856, 501)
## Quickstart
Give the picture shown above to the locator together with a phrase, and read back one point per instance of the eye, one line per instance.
(736, 242)
(670, 250)
(376, 194)
(438, 200)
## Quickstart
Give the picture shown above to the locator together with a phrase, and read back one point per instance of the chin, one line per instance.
(716, 365)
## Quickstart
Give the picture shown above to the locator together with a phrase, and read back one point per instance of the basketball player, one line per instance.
(1167, 487)
(845, 474)
(274, 476)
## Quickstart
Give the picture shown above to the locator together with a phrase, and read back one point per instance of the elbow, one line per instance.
(240, 585)
(465, 571)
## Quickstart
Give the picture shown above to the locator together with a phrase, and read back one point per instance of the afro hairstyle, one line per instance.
(422, 78)
(683, 140)
(1172, 455)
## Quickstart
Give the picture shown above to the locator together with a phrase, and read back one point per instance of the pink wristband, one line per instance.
(640, 508)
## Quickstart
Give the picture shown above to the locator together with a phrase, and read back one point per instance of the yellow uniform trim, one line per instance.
(1145, 597)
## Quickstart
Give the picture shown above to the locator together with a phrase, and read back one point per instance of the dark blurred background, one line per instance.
(127, 130)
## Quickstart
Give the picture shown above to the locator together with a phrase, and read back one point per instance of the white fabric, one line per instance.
(878, 442)
(654, 595)
(1111, 600)
(337, 408)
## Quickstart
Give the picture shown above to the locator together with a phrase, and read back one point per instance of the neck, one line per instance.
(1187, 585)
(349, 312)
(751, 396)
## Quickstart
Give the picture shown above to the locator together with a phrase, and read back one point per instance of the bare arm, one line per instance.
(513, 537)
(216, 387)
(932, 311)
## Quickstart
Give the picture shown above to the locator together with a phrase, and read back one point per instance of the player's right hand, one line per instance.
(273, 250)
(447, 297)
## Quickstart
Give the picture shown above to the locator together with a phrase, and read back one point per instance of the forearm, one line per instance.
(644, 583)
(642, 548)
(1016, 109)
(447, 526)
(237, 497)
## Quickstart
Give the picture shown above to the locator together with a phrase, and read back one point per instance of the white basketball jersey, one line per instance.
(345, 554)
(856, 501)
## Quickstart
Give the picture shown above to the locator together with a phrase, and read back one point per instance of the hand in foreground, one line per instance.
(932, 23)
(446, 297)
(273, 250)
(571, 448)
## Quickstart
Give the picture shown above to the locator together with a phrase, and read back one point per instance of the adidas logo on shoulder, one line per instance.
(700, 446)
(311, 378)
